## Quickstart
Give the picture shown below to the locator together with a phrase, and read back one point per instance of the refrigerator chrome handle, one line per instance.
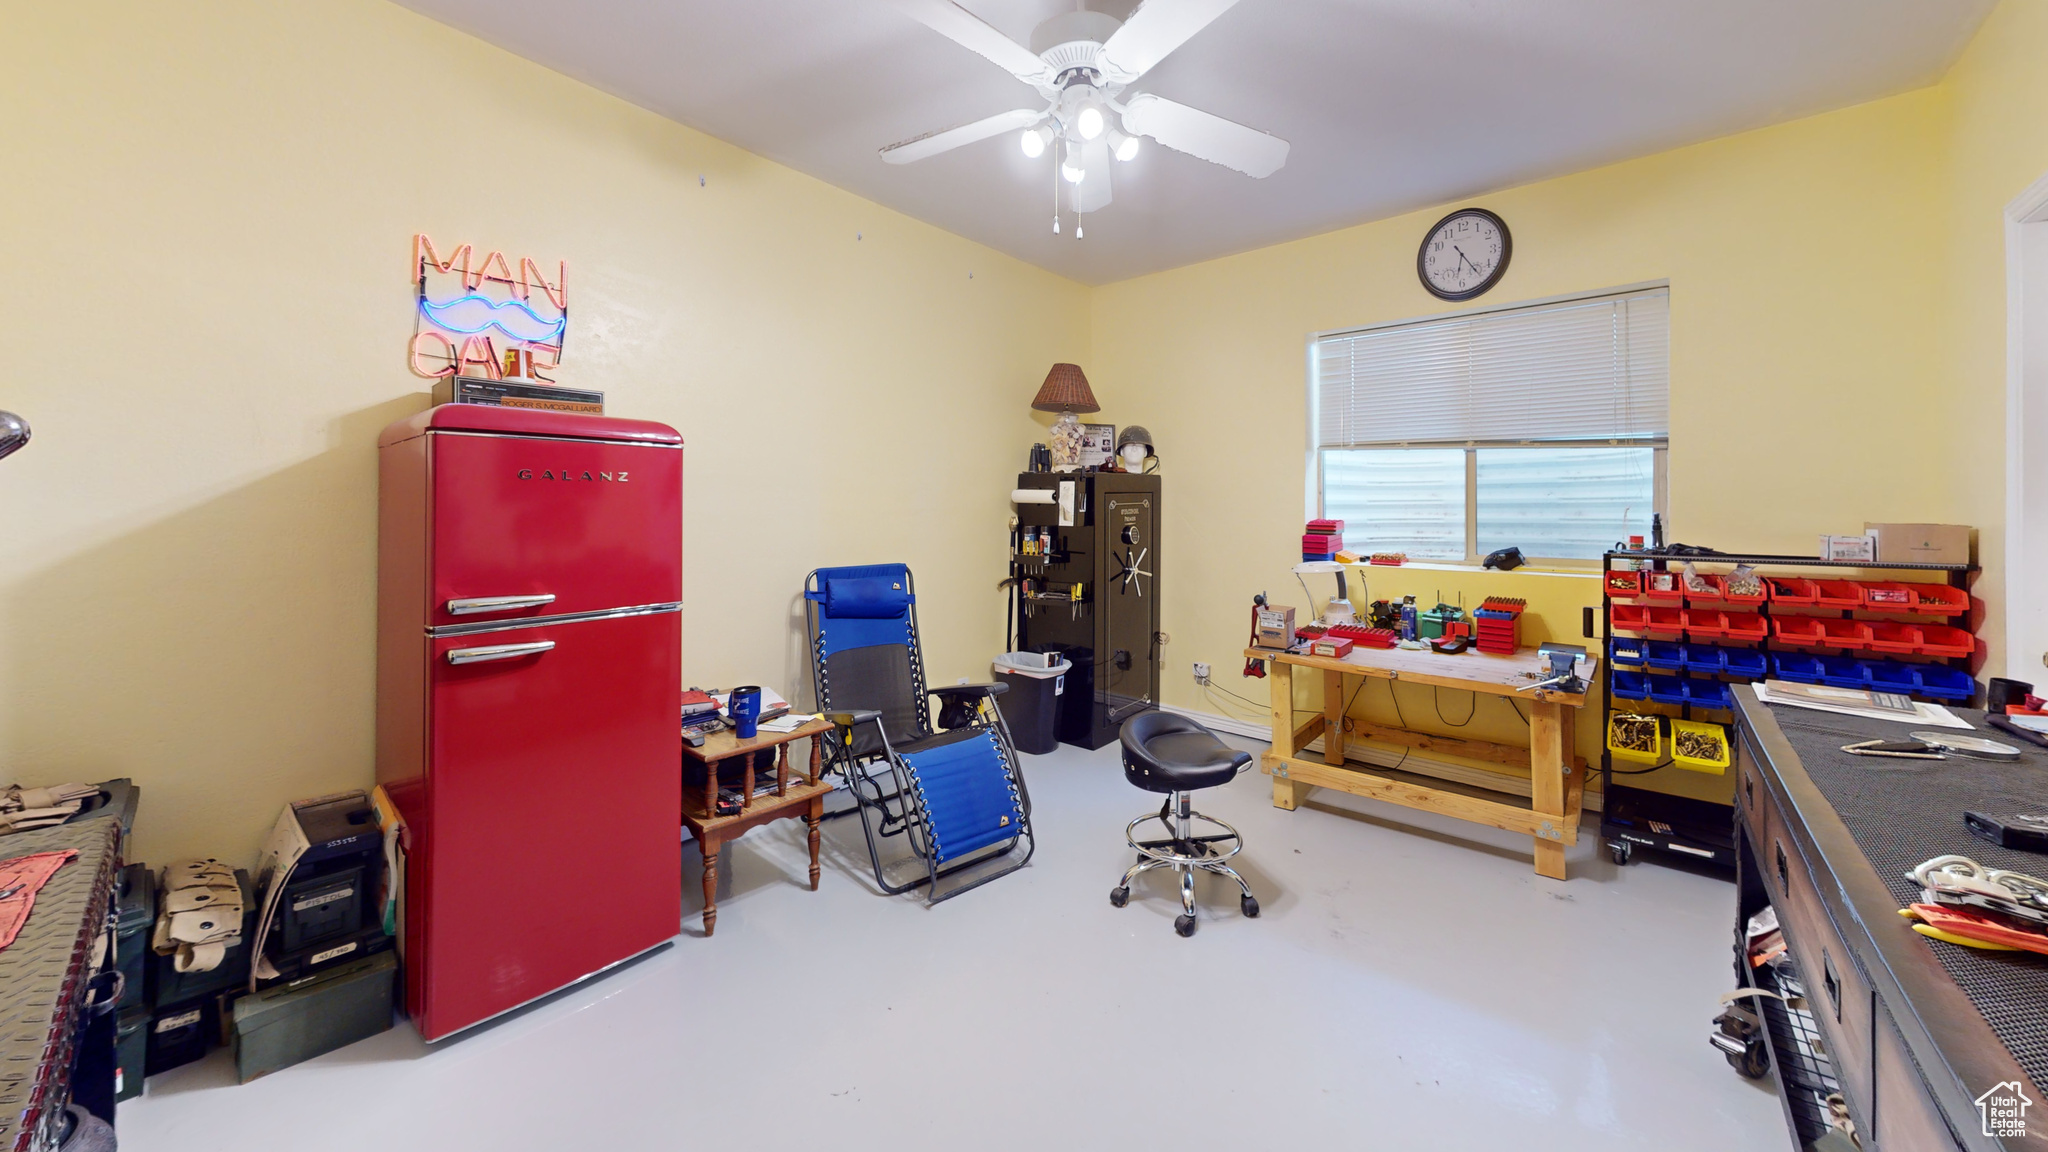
(498, 652)
(471, 605)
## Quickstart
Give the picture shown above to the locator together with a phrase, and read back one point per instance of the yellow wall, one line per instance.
(208, 215)
(1807, 363)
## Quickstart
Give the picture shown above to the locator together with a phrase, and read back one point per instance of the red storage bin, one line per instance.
(1839, 594)
(1889, 597)
(1793, 590)
(1711, 594)
(1664, 622)
(1674, 586)
(1940, 600)
(1627, 617)
(1942, 640)
(1797, 631)
(1745, 626)
(1624, 585)
(1886, 636)
(1704, 623)
(1762, 594)
(1846, 634)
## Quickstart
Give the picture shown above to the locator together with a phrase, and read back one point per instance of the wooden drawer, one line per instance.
(1837, 993)
(1752, 799)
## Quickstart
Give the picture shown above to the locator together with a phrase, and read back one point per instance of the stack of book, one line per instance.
(699, 708)
(1322, 540)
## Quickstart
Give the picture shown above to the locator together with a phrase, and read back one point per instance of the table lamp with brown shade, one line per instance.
(1066, 392)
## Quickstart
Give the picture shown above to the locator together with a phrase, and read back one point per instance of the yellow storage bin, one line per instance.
(1699, 746)
(1632, 736)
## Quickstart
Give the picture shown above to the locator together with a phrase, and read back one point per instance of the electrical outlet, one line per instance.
(1201, 672)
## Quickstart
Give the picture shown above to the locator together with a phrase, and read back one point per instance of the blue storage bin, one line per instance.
(1703, 658)
(1892, 676)
(1709, 694)
(1942, 682)
(1797, 667)
(1625, 652)
(1844, 672)
(1665, 654)
(1667, 689)
(1629, 685)
(1743, 662)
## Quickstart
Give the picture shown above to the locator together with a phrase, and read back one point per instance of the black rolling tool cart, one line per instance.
(1085, 585)
(1676, 653)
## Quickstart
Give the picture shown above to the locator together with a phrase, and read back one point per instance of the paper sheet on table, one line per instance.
(1924, 714)
(789, 722)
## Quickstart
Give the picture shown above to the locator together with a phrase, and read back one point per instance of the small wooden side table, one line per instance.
(803, 797)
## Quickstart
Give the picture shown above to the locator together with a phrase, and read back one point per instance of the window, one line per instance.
(1541, 427)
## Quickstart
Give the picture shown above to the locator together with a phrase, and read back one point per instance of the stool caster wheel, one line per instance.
(1620, 850)
(1118, 897)
(1248, 906)
(1184, 924)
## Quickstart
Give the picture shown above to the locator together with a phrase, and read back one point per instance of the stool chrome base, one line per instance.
(1185, 853)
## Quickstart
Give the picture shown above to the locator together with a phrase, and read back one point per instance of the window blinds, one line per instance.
(1592, 369)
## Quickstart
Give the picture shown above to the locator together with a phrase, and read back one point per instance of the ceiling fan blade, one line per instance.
(1156, 28)
(1202, 135)
(1093, 191)
(974, 34)
(933, 143)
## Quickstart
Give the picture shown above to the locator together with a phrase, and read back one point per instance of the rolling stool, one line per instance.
(1172, 754)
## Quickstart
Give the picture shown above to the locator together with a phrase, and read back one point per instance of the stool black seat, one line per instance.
(1171, 754)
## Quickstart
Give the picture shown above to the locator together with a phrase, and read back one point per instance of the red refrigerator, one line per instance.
(529, 639)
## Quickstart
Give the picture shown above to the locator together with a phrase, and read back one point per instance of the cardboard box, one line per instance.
(1334, 647)
(1921, 543)
(1276, 627)
(1862, 547)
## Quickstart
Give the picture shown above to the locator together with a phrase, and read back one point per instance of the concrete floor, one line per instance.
(1412, 984)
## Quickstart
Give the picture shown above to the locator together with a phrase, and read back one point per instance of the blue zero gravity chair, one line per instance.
(955, 793)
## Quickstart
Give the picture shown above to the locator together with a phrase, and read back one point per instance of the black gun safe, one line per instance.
(1093, 595)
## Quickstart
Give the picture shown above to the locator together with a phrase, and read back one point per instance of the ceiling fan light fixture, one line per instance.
(1072, 166)
(1034, 141)
(1121, 146)
(1090, 122)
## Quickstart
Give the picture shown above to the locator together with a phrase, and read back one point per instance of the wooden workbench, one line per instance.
(1556, 779)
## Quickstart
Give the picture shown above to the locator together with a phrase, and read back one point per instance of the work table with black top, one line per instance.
(1912, 1030)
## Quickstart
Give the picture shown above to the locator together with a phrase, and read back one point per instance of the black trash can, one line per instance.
(1031, 707)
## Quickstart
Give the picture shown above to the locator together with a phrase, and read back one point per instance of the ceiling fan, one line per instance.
(1081, 62)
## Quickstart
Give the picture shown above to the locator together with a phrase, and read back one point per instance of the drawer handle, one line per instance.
(498, 652)
(472, 605)
(1784, 883)
(1831, 982)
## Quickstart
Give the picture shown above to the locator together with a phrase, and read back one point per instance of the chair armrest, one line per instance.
(857, 716)
(969, 690)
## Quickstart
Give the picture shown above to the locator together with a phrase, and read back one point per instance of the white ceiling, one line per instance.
(1390, 105)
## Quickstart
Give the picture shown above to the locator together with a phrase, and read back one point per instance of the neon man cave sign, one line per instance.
(481, 318)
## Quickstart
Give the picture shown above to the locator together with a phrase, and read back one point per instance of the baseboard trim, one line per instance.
(1222, 723)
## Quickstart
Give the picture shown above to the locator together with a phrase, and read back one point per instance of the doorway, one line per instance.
(2026, 432)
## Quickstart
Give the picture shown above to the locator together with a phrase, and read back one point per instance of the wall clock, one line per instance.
(1465, 254)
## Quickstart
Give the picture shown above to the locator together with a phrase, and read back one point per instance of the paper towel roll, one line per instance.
(1031, 496)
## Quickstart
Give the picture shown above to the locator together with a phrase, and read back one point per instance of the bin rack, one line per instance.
(1797, 631)
(1668, 622)
(1803, 608)
(1798, 667)
(1704, 623)
(1794, 591)
(1699, 732)
(1745, 626)
(1849, 635)
(1839, 594)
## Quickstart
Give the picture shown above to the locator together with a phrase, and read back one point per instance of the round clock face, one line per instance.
(1464, 255)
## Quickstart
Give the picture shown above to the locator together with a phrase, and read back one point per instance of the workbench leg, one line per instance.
(1547, 752)
(710, 847)
(1333, 717)
(814, 817)
(1288, 794)
(1280, 682)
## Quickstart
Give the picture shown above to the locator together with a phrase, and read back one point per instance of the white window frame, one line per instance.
(1661, 447)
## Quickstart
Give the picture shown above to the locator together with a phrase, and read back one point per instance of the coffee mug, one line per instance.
(743, 708)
